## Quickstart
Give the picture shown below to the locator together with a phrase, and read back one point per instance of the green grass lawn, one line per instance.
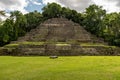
(63, 68)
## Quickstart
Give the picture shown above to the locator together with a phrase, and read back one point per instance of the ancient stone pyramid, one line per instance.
(59, 30)
(59, 36)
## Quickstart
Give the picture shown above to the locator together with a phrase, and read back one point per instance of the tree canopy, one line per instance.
(52, 10)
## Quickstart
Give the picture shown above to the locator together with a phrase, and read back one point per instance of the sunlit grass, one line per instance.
(63, 68)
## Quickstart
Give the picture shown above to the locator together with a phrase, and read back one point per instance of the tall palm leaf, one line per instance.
(2, 13)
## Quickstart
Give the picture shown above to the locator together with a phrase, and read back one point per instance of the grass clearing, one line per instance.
(63, 68)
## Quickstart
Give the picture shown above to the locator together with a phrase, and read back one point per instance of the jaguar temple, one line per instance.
(61, 37)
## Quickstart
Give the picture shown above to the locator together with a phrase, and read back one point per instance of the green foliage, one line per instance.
(93, 19)
(55, 10)
(66, 12)
(20, 22)
(112, 28)
(8, 27)
(13, 27)
(52, 10)
(33, 20)
(17, 25)
(6, 31)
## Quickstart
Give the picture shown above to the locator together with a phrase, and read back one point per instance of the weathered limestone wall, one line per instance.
(61, 50)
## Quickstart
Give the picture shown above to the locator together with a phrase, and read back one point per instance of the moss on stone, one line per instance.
(32, 43)
(11, 46)
(92, 44)
(63, 44)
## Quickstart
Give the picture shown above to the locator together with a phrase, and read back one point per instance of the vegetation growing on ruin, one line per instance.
(94, 20)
